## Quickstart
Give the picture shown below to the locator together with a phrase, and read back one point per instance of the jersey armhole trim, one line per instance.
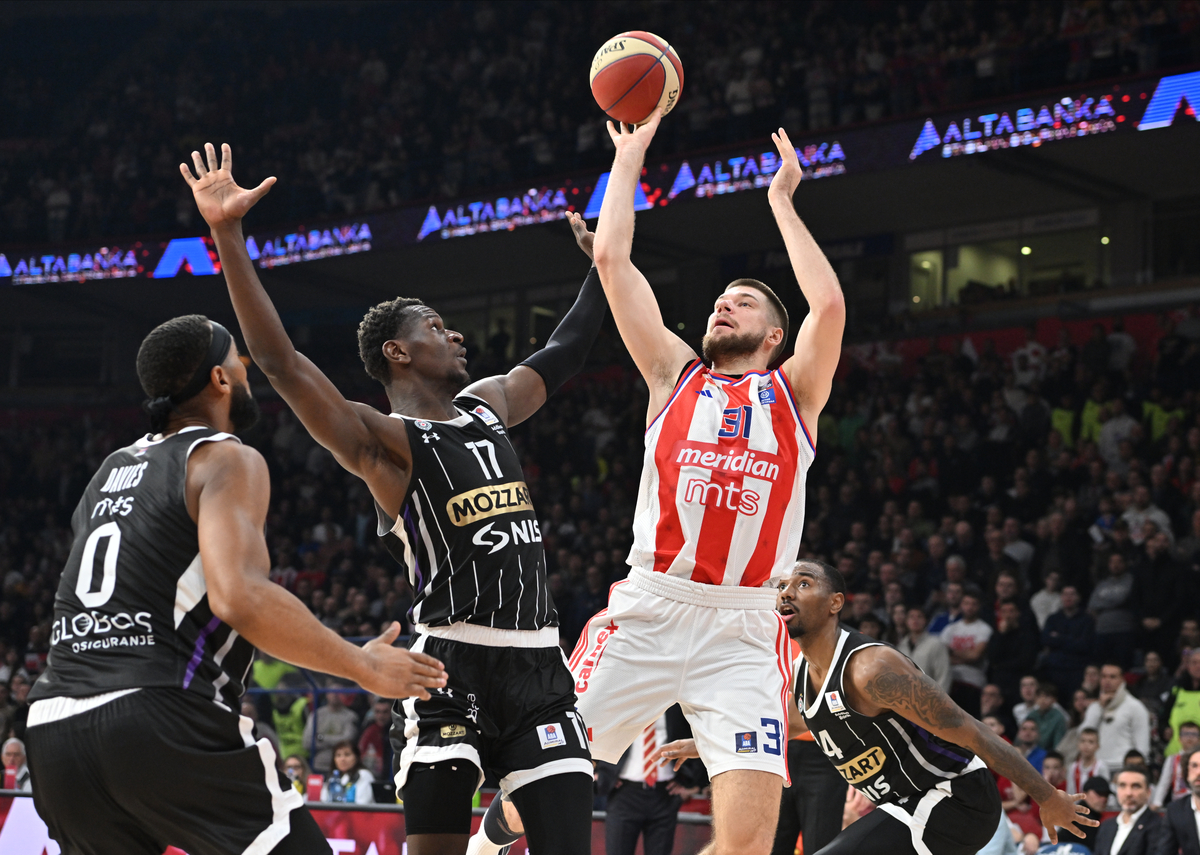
(684, 376)
(837, 654)
(187, 459)
(795, 408)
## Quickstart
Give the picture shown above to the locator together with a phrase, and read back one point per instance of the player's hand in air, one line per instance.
(1063, 810)
(679, 750)
(787, 177)
(393, 672)
(583, 237)
(630, 137)
(218, 196)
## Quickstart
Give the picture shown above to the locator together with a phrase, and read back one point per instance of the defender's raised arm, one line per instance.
(811, 367)
(336, 423)
(658, 352)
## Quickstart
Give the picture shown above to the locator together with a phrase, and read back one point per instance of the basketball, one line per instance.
(635, 72)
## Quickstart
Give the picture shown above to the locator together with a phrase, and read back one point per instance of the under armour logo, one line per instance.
(426, 437)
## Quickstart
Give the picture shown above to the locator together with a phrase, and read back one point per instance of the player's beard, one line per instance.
(243, 409)
(731, 346)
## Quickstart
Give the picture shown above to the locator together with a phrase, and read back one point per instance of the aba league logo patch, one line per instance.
(746, 742)
(835, 702)
(551, 736)
(485, 414)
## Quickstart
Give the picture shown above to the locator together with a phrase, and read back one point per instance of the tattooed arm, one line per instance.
(882, 679)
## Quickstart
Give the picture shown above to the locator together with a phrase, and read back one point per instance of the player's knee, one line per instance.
(557, 813)
(437, 797)
(743, 839)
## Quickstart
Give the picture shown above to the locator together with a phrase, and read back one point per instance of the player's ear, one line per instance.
(221, 378)
(396, 351)
(837, 602)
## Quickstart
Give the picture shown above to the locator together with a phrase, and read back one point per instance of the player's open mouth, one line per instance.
(786, 612)
(721, 322)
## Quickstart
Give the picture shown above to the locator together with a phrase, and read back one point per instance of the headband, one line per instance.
(159, 409)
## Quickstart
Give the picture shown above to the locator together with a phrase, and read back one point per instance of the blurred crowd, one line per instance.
(357, 108)
(1025, 526)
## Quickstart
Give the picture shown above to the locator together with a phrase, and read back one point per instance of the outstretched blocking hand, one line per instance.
(583, 237)
(787, 177)
(394, 672)
(628, 137)
(220, 200)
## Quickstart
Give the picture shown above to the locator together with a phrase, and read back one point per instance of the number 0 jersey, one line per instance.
(721, 499)
(887, 758)
(132, 606)
(467, 531)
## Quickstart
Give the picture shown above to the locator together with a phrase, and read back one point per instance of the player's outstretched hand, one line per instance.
(1063, 810)
(583, 237)
(219, 198)
(679, 750)
(630, 137)
(787, 177)
(393, 672)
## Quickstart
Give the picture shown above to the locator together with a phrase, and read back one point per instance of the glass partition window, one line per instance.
(925, 279)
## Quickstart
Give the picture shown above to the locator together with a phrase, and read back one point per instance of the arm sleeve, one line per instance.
(564, 354)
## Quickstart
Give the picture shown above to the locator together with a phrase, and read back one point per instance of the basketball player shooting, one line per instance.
(719, 513)
(134, 737)
(896, 736)
(454, 509)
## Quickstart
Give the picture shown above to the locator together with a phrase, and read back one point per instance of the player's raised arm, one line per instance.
(228, 494)
(520, 393)
(332, 420)
(883, 678)
(658, 352)
(819, 341)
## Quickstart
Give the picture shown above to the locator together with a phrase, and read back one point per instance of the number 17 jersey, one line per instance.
(132, 605)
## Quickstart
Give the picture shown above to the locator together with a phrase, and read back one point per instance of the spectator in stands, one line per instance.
(297, 771)
(1121, 719)
(968, 641)
(334, 724)
(1114, 606)
(348, 782)
(373, 744)
(928, 652)
(18, 690)
(1028, 742)
(1086, 765)
(952, 594)
(1172, 778)
(1141, 511)
(1051, 722)
(1096, 793)
(289, 715)
(1027, 692)
(1183, 700)
(1179, 830)
(1068, 746)
(1135, 830)
(1012, 649)
(13, 757)
(991, 703)
(1155, 684)
(1048, 600)
(1069, 641)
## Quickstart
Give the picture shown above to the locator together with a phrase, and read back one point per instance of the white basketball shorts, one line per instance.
(721, 653)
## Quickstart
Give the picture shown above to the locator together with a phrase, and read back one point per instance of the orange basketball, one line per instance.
(635, 72)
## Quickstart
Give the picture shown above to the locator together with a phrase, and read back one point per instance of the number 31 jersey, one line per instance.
(132, 607)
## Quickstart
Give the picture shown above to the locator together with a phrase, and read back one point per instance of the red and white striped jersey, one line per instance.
(721, 499)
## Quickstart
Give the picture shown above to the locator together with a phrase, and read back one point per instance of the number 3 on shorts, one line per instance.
(772, 743)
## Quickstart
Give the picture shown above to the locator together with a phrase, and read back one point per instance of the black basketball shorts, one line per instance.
(958, 817)
(164, 767)
(509, 711)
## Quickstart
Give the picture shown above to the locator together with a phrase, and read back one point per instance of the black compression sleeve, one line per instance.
(564, 354)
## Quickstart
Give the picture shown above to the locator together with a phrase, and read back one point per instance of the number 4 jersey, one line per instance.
(888, 758)
(132, 607)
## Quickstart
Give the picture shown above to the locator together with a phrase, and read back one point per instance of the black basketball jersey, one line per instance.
(132, 605)
(888, 758)
(467, 531)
